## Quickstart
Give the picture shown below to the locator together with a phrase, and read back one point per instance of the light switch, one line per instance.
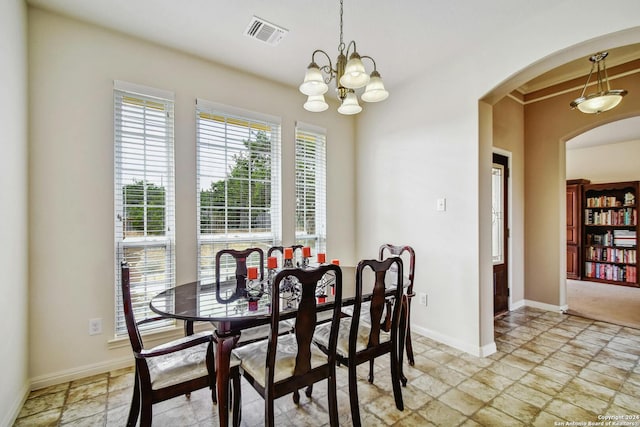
(441, 204)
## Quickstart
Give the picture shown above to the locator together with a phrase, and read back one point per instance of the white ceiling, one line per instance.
(611, 133)
(406, 39)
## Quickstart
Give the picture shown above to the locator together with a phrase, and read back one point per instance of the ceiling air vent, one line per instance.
(265, 31)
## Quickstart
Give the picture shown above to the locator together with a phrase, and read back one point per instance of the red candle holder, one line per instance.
(288, 253)
(335, 261)
(322, 258)
(272, 262)
(322, 299)
(306, 251)
(252, 273)
(253, 305)
(333, 290)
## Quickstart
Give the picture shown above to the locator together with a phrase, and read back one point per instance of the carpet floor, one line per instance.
(615, 304)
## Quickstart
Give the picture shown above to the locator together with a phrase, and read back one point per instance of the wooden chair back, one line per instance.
(306, 317)
(241, 260)
(400, 250)
(383, 288)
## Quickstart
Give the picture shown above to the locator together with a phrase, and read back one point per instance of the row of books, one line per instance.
(623, 256)
(626, 216)
(618, 273)
(602, 202)
(625, 238)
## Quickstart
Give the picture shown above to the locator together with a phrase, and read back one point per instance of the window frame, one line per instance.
(144, 147)
(207, 110)
(317, 157)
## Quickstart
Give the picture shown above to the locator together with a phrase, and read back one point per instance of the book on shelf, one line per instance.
(626, 238)
(625, 216)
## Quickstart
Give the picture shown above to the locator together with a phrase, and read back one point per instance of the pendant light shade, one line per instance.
(603, 99)
(350, 104)
(375, 90)
(354, 76)
(313, 83)
(599, 102)
(315, 103)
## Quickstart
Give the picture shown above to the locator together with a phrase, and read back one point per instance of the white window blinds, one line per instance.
(238, 182)
(144, 196)
(311, 177)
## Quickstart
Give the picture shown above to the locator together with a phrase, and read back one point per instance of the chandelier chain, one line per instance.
(341, 46)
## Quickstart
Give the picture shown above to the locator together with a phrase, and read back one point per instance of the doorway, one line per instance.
(500, 232)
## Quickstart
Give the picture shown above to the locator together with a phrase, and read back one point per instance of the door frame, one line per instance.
(509, 248)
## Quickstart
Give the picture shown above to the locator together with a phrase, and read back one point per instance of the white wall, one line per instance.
(73, 66)
(426, 140)
(605, 163)
(14, 352)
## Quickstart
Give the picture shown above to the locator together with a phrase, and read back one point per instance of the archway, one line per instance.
(547, 123)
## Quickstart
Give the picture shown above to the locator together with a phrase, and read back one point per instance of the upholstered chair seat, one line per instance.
(253, 357)
(321, 336)
(180, 366)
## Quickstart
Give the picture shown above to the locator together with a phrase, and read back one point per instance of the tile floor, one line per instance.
(550, 370)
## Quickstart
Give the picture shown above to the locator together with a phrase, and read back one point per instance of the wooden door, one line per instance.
(500, 236)
(573, 231)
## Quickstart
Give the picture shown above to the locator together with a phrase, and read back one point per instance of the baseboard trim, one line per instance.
(545, 306)
(457, 344)
(80, 372)
(15, 408)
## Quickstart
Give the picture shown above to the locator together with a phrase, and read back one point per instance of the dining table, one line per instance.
(235, 305)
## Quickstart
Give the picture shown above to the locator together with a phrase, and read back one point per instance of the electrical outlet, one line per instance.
(423, 299)
(95, 326)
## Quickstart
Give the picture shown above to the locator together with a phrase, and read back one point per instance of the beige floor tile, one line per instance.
(441, 414)
(529, 395)
(491, 417)
(549, 368)
(461, 401)
(517, 408)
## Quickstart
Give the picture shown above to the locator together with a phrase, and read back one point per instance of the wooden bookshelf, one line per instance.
(610, 232)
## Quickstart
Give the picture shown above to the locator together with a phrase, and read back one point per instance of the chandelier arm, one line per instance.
(352, 42)
(328, 69)
(372, 60)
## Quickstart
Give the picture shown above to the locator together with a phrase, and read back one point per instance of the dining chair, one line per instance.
(168, 370)
(359, 342)
(405, 319)
(280, 250)
(239, 261)
(283, 364)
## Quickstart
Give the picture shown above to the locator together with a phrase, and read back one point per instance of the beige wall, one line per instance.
(14, 352)
(605, 163)
(431, 141)
(548, 124)
(408, 153)
(508, 136)
(73, 66)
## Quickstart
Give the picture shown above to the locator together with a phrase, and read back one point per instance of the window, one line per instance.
(238, 182)
(311, 172)
(144, 195)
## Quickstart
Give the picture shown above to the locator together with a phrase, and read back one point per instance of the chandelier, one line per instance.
(604, 98)
(349, 76)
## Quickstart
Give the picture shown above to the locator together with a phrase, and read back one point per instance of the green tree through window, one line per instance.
(242, 201)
